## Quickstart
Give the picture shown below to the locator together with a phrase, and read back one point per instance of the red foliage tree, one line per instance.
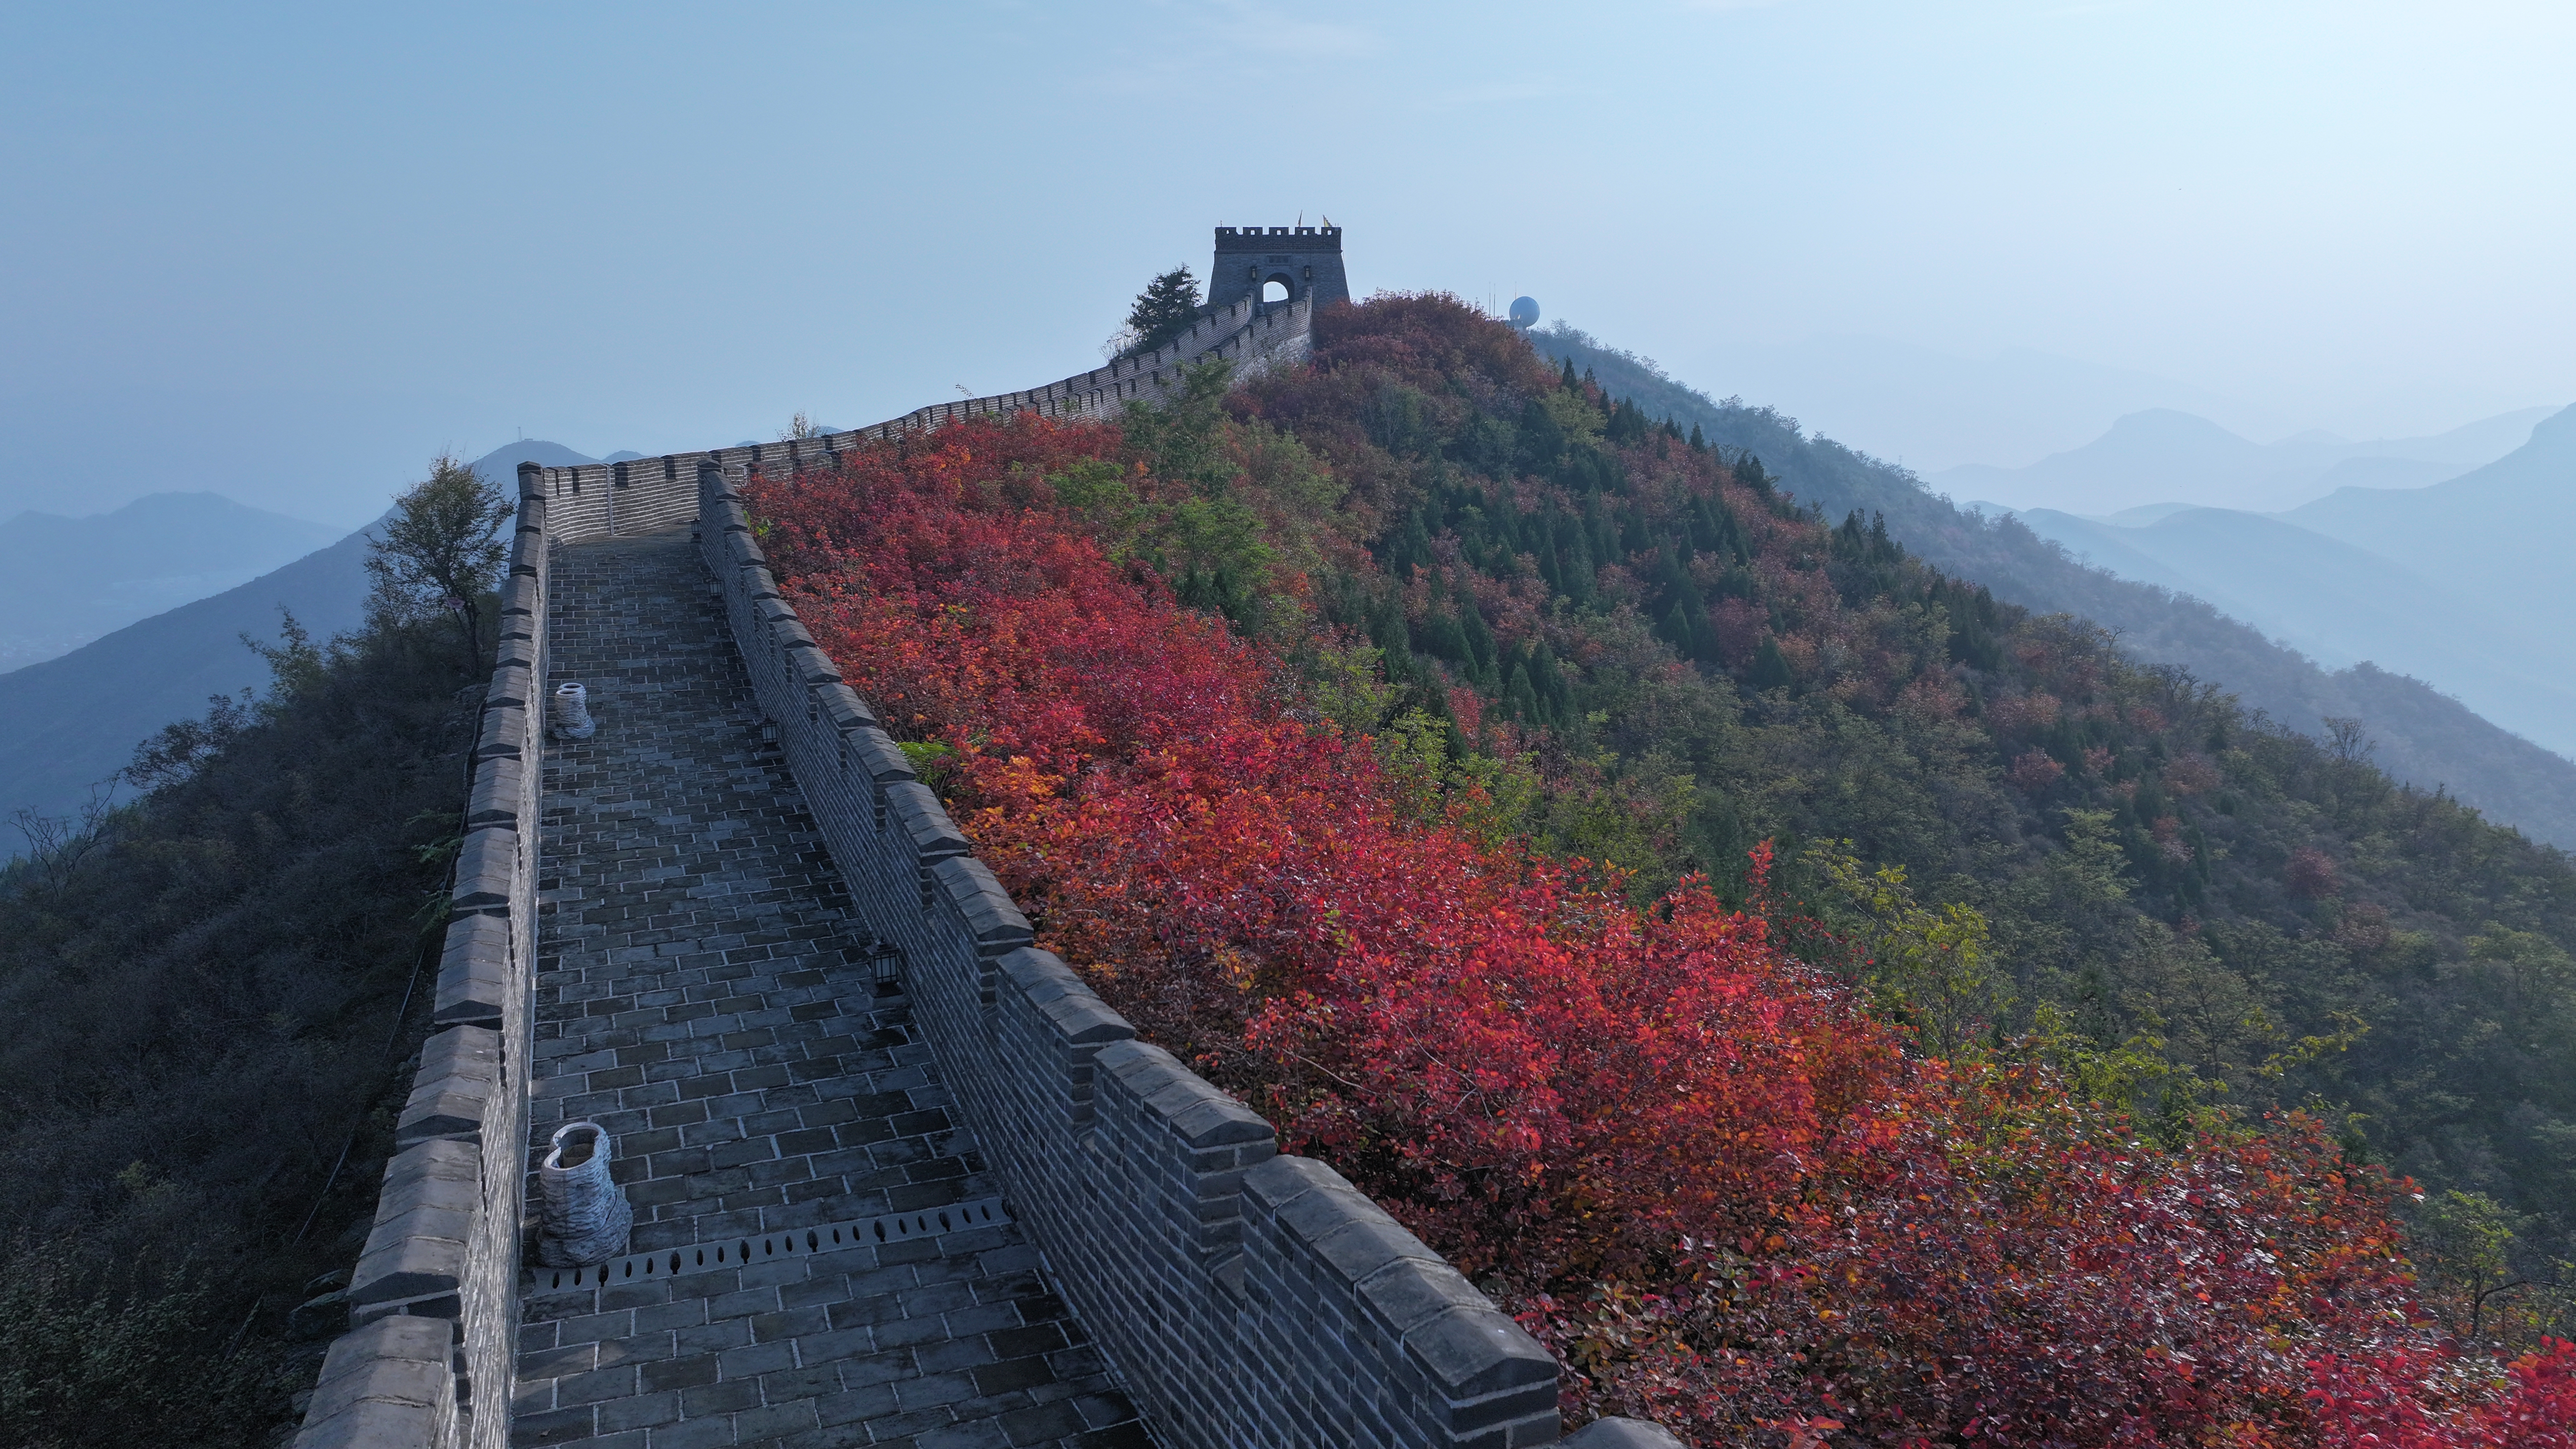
(2367, 1402)
(2033, 771)
(2311, 874)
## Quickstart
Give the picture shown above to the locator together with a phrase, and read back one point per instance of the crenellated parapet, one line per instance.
(434, 1298)
(1246, 1297)
(1304, 261)
(603, 499)
(1242, 332)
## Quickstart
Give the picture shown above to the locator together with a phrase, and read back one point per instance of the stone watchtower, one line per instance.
(1307, 260)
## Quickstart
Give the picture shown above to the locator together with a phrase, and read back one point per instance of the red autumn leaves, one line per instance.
(1728, 1196)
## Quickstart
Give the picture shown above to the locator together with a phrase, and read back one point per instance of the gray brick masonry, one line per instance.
(705, 993)
(729, 867)
(388, 1382)
(1247, 1298)
(639, 496)
(434, 1295)
(1304, 260)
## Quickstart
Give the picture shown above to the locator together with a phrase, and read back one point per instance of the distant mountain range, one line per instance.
(1931, 410)
(2465, 583)
(68, 724)
(65, 581)
(2166, 457)
(2462, 583)
(2499, 534)
(2422, 734)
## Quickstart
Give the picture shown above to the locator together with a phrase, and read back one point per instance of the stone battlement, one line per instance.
(604, 499)
(1278, 239)
(1304, 262)
(434, 1297)
(1243, 1298)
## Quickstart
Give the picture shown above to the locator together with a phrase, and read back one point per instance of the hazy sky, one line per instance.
(288, 253)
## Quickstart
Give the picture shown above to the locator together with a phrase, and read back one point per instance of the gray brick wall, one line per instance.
(1251, 1300)
(434, 1297)
(598, 500)
(1246, 1297)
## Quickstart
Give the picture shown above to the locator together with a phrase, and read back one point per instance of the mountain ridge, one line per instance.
(2166, 455)
(68, 724)
(2479, 525)
(2423, 736)
(1940, 409)
(2341, 604)
(67, 579)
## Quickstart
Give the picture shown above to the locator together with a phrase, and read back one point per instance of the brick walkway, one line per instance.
(699, 994)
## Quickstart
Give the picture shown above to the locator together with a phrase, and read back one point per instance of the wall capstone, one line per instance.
(434, 1296)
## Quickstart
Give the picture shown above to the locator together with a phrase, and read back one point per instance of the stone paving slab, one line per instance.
(703, 993)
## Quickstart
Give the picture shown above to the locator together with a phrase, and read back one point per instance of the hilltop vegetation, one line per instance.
(1825, 1001)
(1430, 848)
(2421, 737)
(2149, 859)
(212, 994)
(213, 991)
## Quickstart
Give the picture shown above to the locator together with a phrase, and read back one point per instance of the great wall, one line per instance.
(898, 1176)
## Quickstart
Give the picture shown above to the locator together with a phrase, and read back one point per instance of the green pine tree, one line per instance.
(1167, 308)
(1676, 629)
(1770, 667)
(1520, 701)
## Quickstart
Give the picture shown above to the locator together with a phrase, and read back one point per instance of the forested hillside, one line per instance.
(2420, 736)
(212, 993)
(65, 581)
(2341, 605)
(1416, 850)
(2149, 858)
(1826, 1002)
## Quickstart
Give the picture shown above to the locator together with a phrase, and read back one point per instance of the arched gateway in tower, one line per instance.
(1301, 260)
